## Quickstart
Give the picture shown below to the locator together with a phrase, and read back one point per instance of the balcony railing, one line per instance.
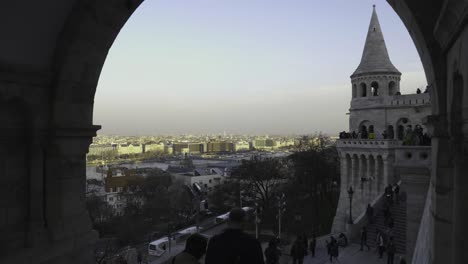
(368, 143)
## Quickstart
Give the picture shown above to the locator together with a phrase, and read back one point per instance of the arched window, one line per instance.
(363, 90)
(375, 88)
(391, 88)
(402, 124)
(364, 129)
(354, 90)
(371, 132)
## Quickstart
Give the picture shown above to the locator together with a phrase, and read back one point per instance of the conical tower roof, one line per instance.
(375, 57)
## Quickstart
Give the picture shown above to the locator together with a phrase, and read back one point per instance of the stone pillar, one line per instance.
(388, 171)
(344, 172)
(341, 217)
(369, 169)
(440, 245)
(362, 168)
(66, 214)
(355, 171)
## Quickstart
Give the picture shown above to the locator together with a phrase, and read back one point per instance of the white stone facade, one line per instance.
(379, 117)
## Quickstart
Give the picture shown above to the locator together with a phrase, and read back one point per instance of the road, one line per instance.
(206, 229)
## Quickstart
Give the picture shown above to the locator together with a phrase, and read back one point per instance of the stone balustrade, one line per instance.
(413, 156)
(411, 99)
(422, 99)
(368, 143)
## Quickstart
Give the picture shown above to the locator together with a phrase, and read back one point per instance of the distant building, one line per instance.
(168, 149)
(118, 184)
(264, 144)
(193, 148)
(130, 148)
(219, 147)
(206, 178)
(100, 149)
(240, 146)
(153, 147)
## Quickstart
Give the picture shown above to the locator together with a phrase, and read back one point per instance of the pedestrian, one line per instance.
(312, 245)
(329, 249)
(397, 193)
(306, 243)
(391, 250)
(195, 248)
(121, 260)
(343, 240)
(272, 253)
(233, 245)
(139, 258)
(389, 194)
(390, 222)
(297, 251)
(370, 214)
(380, 242)
(364, 239)
(334, 250)
(387, 213)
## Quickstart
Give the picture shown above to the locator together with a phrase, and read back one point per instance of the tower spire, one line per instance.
(375, 57)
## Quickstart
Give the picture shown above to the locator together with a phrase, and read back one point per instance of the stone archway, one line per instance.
(62, 97)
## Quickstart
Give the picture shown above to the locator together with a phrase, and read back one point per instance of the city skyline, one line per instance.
(244, 68)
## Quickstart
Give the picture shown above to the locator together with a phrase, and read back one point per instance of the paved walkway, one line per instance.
(349, 255)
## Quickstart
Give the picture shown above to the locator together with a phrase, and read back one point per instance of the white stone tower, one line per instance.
(379, 116)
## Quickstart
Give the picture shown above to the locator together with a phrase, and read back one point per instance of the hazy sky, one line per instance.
(243, 66)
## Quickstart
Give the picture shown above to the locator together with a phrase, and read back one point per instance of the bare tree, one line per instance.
(261, 178)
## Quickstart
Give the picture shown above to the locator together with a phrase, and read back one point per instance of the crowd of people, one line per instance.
(234, 246)
(416, 136)
(410, 136)
(385, 242)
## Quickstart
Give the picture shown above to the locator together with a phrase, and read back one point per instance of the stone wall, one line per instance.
(415, 185)
(423, 251)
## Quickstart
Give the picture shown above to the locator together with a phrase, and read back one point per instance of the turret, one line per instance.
(375, 75)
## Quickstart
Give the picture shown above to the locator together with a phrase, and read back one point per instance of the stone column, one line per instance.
(344, 172)
(369, 170)
(362, 169)
(355, 171)
(66, 214)
(385, 172)
(341, 217)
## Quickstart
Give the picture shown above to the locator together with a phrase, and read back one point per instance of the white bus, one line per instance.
(221, 218)
(224, 217)
(183, 234)
(247, 209)
(160, 246)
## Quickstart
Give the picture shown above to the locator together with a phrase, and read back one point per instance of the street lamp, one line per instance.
(281, 209)
(257, 219)
(350, 194)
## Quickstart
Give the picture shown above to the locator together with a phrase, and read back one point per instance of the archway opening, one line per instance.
(375, 89)
(363, 90)
(391, 88)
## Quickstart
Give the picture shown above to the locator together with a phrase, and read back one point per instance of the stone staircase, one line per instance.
(398, 232)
